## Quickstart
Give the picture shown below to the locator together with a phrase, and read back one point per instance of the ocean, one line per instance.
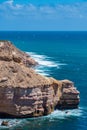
(62, 55)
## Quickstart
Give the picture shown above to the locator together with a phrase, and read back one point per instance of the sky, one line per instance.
(43, 15)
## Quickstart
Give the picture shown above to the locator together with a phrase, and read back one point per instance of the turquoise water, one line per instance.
(62, 55)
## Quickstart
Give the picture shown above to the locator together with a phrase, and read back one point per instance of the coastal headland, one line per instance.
(25, 93)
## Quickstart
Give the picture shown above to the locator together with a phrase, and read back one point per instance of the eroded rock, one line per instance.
(4, 123)
(9, 52)
(24, 93)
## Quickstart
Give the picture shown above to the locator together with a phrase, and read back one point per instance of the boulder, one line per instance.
(24, 93)
(4, 123)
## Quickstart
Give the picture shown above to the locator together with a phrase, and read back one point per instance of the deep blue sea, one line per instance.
(62, 55)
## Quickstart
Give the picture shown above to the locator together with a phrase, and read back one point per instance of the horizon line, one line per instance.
(43, 30)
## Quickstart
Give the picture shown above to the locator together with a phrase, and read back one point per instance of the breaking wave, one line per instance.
(62, 114)
(45, 63)
(56, 115)
(44, 67)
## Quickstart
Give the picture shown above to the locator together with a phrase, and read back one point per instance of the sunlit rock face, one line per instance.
(24, 93)
(9, 52)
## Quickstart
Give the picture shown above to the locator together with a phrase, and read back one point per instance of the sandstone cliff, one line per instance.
(24, 93)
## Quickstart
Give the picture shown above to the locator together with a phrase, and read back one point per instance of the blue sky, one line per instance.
(43, 15)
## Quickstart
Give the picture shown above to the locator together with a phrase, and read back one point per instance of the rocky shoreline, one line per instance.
(24, 93)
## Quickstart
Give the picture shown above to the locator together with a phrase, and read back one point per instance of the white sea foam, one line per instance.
(58, 114)
(45, 63)
(11, 123)
(43, 60)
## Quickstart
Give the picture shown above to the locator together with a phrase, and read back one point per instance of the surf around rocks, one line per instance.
(25, 93)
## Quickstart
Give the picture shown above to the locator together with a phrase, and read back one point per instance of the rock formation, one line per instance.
(24, 93)
(8, 52)
(4, 123)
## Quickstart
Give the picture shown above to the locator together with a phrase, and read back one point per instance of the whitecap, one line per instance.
(43, 60)
(45, 63)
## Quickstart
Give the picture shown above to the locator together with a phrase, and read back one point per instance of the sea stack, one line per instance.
(24, 93)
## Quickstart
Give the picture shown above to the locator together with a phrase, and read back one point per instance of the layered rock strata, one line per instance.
(70, 96)
(24, 93)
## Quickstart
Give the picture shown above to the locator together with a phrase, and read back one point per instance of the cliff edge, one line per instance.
(24, 93)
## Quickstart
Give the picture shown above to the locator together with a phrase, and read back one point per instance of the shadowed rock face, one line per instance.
(24, 93)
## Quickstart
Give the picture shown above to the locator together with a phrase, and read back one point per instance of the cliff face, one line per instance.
(70, 96)
(24, 93)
